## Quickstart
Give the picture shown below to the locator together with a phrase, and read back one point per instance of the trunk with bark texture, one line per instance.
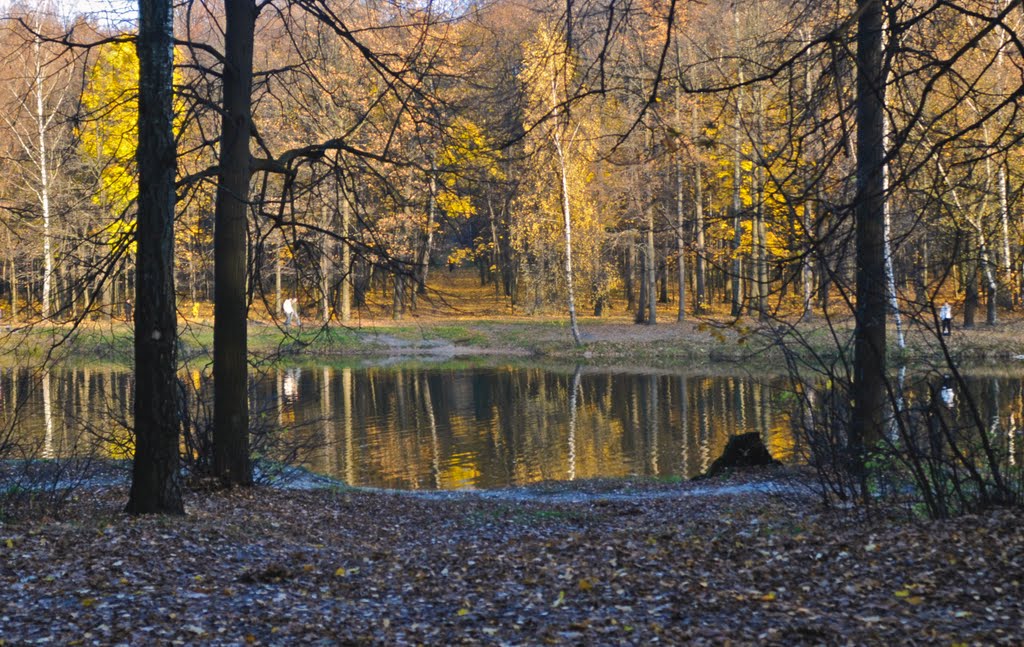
(230, 368)
(155, 486)
(868, 391)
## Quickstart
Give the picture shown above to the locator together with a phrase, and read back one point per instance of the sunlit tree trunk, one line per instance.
(155, 487)
(346, 258)
(44, 177)
(563, 175)
(680, 242)
(890, 272)
(700, 296)
(325, 266)
(737, 177)
(650, 279)
(737, 225)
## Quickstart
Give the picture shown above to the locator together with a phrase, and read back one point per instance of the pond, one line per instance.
(438, 428)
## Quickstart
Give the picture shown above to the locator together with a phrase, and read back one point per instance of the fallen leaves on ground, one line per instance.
(284, 567)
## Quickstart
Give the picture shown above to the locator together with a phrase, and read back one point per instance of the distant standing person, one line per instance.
(946, 316)
(291, 313)
(128, 310)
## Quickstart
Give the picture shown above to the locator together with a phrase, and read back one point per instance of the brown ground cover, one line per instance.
(586, 563)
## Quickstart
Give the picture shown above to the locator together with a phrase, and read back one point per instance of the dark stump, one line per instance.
(745, 450)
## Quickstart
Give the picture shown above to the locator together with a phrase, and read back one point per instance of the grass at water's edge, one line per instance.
(606, 342)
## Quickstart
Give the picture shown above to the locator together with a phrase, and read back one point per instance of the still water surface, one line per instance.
(423, 428)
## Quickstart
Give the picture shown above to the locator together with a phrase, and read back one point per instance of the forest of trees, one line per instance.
(581, 156)
(702, 151)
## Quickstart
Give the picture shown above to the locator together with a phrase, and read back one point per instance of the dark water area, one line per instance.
(432, 428)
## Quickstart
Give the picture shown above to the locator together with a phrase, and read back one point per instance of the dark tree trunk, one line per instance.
(971, 297)
(641, 311)
(628, 272)
(155, 486)
(230, 402)
(869, 336)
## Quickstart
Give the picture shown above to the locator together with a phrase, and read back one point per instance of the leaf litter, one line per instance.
(564, 564)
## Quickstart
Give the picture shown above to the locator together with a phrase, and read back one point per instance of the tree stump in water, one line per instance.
(745, 450)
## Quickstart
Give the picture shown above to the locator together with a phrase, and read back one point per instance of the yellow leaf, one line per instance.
(341, 572)
(585, 585)
(915, 600)
(10, 544)
(902, 593)
(88, 602)
(463, 611)
(768, 597)
(308, 568)
(560, 600)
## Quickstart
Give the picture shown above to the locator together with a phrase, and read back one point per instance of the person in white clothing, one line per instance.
(291, 313)
(946, 317)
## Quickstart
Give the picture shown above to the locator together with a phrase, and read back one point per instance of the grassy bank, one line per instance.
(606, 341)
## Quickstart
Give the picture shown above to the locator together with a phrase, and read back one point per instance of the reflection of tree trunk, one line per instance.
(435, 441)
(346, 403)
(703, 426)
(684, 429)
(652, 423)
(572, 420)
(48, 448)
(330, 441)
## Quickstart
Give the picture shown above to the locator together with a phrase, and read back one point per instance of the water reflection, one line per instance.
(415, 428)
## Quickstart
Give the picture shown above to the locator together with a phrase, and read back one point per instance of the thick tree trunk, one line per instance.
(155, 486)
(230, 407)
(867, 422)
